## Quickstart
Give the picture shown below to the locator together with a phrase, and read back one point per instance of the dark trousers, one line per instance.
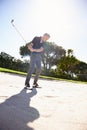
(35, 62)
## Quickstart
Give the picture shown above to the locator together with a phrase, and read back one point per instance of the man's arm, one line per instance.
(38, 50)
(30, 46)
(34, 50)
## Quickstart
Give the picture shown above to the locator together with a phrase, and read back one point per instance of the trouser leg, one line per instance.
(38, 70)
(30, 71)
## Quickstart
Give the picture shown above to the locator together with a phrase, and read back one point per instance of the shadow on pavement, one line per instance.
(16, 112)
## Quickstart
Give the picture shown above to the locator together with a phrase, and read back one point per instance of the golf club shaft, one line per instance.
(17, 30)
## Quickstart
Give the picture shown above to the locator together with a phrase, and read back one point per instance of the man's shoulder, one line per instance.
(36, 39)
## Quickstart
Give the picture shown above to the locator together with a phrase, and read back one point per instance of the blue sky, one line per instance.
(64, 20)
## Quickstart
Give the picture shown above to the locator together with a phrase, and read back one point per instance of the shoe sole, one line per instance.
(36, 87)
(27, 88)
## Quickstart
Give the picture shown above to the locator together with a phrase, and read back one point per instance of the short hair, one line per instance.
(46, 34)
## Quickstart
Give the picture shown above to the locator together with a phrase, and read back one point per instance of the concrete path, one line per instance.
(58, 105)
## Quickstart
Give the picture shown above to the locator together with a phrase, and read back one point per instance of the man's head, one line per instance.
(45, 37)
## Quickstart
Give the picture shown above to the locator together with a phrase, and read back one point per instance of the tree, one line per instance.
(70, 52)
(24, 51)
(81, 71)
(51, 55)
(7, 61)
(81, 68)
(67, 64)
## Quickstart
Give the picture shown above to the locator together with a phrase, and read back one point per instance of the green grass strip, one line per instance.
(43, 77)
(11, 71)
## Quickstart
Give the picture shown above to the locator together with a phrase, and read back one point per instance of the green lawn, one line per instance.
(44, 77)
(22, 73)
(11, 71)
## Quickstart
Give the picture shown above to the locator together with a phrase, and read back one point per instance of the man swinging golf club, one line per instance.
(36, 48)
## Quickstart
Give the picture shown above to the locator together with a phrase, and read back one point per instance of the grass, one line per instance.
(11, 71)
(43, 77)
(23, 73)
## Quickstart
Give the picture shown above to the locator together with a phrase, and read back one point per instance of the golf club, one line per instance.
(12, 22)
